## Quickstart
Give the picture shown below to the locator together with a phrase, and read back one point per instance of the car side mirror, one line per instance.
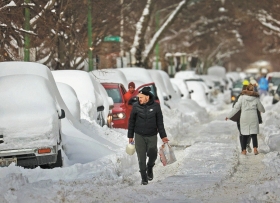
(100, 108)
(132, 101)
(62, 114)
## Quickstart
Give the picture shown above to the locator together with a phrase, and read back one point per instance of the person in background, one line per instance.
(263, 85)
(128, 94)
(145, 122)
(249, 122)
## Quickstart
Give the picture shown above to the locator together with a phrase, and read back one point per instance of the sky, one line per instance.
(97, 168)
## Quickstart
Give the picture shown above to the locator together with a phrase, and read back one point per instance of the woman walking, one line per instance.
(248, 103)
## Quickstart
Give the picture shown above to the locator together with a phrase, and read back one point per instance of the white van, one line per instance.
(29, 122)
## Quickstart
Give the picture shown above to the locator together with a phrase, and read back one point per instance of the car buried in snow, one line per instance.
(29, 122)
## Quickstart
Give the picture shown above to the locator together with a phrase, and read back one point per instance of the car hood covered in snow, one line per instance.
(28, 115)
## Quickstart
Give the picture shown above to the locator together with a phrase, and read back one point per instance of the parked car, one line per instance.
(276, 96)
(198, 94)
(113, 80)
(37, 151)
(141, 78)
(182, 85)
(273, 81)
(70, 98)
(191, 76)
(162, 92)
(236, 89)
(120, 111)
(30, 134)
(87, 94)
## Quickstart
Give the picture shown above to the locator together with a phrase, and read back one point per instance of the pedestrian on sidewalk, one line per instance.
(248, 103)
(146, 121)
(248, 148)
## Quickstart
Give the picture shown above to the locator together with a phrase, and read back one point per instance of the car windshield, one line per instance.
(115, 94)
(238, 85)
(275, 81)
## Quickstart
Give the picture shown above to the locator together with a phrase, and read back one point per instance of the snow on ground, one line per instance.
(210, 170)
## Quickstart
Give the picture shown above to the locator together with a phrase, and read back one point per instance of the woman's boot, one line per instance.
(144, 178)
(256, 151)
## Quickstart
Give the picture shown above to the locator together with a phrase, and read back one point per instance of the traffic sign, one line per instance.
(112, 39)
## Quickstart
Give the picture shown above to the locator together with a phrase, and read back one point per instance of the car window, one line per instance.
(275, 81)
(115, 94)
(238, 85)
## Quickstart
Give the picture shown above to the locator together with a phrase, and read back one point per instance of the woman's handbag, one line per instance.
(166, 154)
(259, 117)
(236, 117)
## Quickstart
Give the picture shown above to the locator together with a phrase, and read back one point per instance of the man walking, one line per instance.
(146, 121)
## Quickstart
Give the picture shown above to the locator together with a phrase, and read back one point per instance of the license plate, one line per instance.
(7, 161)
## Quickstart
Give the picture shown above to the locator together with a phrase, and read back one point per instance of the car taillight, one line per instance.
(117, 116)
(44, 150)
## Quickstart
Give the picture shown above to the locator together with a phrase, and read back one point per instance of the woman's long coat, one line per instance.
(249, 123)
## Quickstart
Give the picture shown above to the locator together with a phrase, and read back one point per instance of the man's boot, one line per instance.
(144, 178)
(150, 172)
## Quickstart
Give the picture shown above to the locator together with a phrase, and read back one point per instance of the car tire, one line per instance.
(274, 101)
(59, 160)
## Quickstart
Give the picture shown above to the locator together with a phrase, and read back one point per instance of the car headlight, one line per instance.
(117, 116)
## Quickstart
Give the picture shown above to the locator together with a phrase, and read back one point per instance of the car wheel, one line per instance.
(59, 160)
(274, 101)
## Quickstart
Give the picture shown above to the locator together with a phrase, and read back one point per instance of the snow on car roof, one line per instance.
(217, 71)
(187, 74)
(135, 73)
(110, 75)
(81, 82)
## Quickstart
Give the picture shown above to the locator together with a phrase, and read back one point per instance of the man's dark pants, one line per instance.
(146, 146)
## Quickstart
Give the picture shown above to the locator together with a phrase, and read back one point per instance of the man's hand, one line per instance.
(165, 139)
(226, 118)
(130, 140)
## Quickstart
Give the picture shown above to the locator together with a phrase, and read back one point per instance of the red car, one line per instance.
(121, 112)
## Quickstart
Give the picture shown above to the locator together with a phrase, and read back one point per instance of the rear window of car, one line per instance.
(115, 94)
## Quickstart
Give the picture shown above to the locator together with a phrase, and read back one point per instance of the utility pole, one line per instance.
(121, 35)
(27, 28)
(90, 48)
(157, 45)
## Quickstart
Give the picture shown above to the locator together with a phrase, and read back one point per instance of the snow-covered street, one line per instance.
(210, 170)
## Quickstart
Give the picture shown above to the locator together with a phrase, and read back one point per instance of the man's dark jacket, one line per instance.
(146, 119)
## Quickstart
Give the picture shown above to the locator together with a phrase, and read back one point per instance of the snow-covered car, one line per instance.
(182, 85)
(162, 92)
(192, 76)
(70, 98)
(88, 95)
(273, 81)
(236, 90)
(29, 122)
(168, 86)
(198, 94)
